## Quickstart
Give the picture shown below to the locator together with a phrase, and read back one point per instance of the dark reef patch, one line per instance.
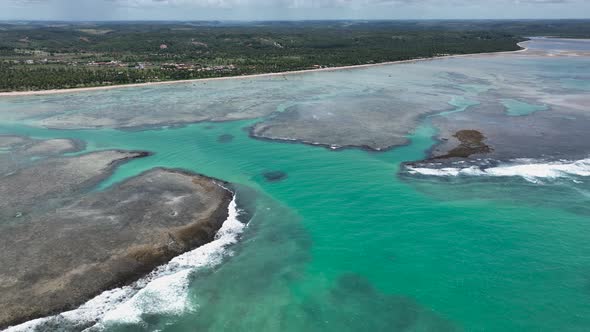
(470, 142)
(363, 308)
(225, 138)
(274, 176)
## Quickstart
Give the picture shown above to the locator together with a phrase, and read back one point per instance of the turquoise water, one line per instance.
(348, 243)
(576, 84)
(345, 244)
(520, 108)
(460, 103)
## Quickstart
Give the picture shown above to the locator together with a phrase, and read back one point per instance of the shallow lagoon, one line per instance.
(344, 242)
(519, 108)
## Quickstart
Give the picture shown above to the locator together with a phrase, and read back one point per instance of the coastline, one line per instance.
(293, 72)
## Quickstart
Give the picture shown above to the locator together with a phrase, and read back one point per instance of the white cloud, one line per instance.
(292, 3)
(290, 9)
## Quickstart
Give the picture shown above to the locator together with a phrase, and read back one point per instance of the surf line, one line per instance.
(163, 291)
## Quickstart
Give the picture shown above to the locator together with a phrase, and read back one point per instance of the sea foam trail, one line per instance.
(528, 169)
(163, 291)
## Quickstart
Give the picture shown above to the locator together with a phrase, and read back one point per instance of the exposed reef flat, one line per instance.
(38, 148)
(559, 133)
(542, 145)
(370, 107)
(374, 121)
(141, 108)
(61, 244)
(538, 113)
(19, 151)
(53, 146)
(50, 181)
(9, 141)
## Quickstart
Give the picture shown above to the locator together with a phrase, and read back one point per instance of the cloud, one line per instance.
(324, 3)
(290, 9)
(286, 3)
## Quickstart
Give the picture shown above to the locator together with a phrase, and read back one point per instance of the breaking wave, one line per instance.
(163, 291)
(530, 170)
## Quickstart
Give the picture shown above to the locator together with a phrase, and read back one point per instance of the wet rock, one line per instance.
(470, 142)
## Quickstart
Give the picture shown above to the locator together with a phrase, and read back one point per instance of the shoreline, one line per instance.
(292, 72)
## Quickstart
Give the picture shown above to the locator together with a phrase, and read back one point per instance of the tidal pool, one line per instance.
(520, 108)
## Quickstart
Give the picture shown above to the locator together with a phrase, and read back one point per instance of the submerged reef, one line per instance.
(274, 176)
(361, 307)
(225, 138)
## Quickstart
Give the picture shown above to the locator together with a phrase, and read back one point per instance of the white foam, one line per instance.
(528, 169)
(163, 291)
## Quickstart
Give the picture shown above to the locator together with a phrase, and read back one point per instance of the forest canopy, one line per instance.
(52, 55)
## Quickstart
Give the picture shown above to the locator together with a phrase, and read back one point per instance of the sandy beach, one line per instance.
(294, 72)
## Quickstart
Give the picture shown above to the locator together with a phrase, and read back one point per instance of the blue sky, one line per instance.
(289, 9)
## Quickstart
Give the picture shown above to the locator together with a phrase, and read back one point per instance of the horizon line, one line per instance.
(299, 20)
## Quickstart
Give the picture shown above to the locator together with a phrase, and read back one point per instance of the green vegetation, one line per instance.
(41, 55)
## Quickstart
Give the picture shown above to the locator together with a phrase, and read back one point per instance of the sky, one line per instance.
(289, 9)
